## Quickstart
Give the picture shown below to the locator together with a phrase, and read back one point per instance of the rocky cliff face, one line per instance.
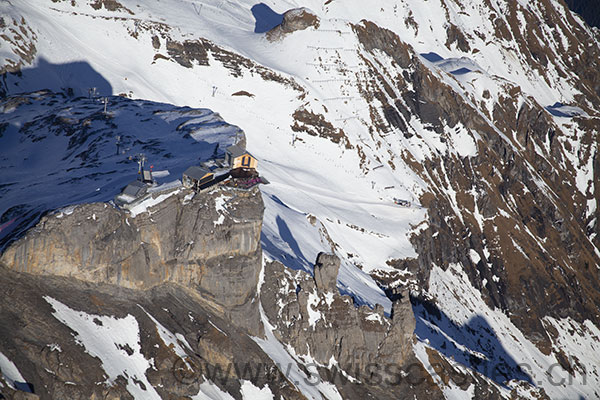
(159, 302)
(311, 315)
(484, 114)
(361, 350)
(507, 180)
(209, 243)
(79, 340)
(296, 19)
(192, 262)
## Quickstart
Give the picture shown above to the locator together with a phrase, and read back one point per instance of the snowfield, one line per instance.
(323, 195)
(10, 373)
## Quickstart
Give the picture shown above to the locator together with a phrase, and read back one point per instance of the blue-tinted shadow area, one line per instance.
(555, 110)
(286, 235)
(266, 18)
(75, 78)
(474, 344)
(59, 149)
(560, 110)
(432, 57)
(24, 387)
(461, 71)
(296, 260)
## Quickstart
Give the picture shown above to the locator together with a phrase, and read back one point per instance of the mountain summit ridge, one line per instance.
(481, 118)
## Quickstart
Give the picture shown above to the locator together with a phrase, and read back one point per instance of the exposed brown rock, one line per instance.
(21, 39)
(315, 318)
(523, 269)
(294, 20)
(110, 5)
(317, 125)
(178, 242)
(455, 35)
(242, 93)
(188, 51)
(326, 272)
(192, 52)
(57, 365)
(155, 42)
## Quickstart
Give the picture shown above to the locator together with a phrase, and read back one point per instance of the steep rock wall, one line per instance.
(209, 243)
(508, 194)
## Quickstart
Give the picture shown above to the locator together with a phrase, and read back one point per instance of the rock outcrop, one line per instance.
(326, 272)
(296, 19)
(178, 343)
(209, 243)
(180, 275)
(192, 262)
(503, 194)
(203, 52)
(320, 324)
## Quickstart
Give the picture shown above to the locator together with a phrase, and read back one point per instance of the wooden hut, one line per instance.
(237, 157)
(197, 178)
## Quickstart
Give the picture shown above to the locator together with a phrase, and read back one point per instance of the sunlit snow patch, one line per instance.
(454, 66)
(172, 341)
(115, 341)
(251, 392)
(464, 328)
(10, 373)
(150, 202)
(210, 391)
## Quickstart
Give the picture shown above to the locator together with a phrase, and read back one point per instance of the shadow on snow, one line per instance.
(75, 78)
(266, 18)
(474, 344)
(60, 150)
(432, 57)
(296, 260)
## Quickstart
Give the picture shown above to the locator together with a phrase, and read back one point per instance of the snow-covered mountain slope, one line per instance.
(449, 105)
(60, 151)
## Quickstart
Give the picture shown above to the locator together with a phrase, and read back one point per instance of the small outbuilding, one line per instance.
(197, 178)
(237, 157)
(132, 192)
(147, 176)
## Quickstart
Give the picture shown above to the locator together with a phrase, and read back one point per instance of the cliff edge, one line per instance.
(208, 242)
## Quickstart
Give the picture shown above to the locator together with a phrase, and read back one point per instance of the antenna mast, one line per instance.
(141, 159)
